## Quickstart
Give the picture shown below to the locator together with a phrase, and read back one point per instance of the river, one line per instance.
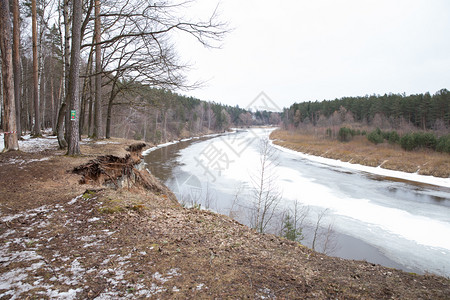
(389, 221)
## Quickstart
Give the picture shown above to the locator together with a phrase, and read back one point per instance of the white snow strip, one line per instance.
(151, 291)
(94, 219)
(106, 142)
(70, 294)
(74, 200)
(444, 182)
(159, 277)
(14, 161)
(146, 152)
(30, 213)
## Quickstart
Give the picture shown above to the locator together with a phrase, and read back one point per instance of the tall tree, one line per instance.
(98, 74)
(67, 21)
(136, 34)
(37, 127)
(16, 62)
(11, 142)
(73, 97)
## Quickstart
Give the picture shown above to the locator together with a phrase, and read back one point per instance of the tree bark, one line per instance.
(60, 127)
(110, 105)
(16, 62)
(10, 139)
(37, 127)
(66, 60)
(52, 104)
(74, 78)
(84, 94)
(98, 70)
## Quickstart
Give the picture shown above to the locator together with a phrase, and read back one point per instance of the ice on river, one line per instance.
(407, 223)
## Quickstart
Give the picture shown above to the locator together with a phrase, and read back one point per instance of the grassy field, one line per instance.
(361, 151)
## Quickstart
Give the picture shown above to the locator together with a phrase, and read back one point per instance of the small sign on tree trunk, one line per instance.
(73, 115)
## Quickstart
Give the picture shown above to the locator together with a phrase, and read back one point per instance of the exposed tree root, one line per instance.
(121, 171)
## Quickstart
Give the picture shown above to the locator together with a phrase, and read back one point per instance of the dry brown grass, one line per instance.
(361, 151)
(138, 243)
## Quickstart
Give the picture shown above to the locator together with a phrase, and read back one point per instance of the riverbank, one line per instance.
(62, 239)
(360, 151)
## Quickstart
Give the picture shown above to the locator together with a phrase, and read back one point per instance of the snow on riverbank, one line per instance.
(146, 152)
(443, 182)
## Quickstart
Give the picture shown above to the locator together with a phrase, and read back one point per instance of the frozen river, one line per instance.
(391, 221)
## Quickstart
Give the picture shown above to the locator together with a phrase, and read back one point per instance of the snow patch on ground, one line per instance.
(29, 214)
(29, 144)
(38, 144)
(20, 162)
(106, 142)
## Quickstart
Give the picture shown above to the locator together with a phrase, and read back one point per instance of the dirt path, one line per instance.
(63, 240)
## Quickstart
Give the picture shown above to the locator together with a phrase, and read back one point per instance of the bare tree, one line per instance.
(16, 62)
(317, 227)
(266, 194)
(329, 244)
(37, 127)
(74, 74)
(10, 140)
(233, 213)
(136, 47)
(98, 74)
(324, 236)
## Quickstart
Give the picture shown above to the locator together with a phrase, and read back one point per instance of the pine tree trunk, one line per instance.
(37, 127)
(60, 127)
(16, 62)
(52, 104)
(66, 61)
(74, 78)
(10, 139)
(98, 76)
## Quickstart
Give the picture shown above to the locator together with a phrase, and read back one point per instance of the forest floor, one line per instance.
(60, 239)
(360, 151)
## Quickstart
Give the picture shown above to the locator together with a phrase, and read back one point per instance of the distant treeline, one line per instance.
(159, 115)
(423, 111)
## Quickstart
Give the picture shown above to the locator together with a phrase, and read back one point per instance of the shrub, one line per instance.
(345, 134)
(411, 141)
(378, 131)
(429, 140)
(375, 137)
(393, 137)
(407, 142)
(329, 133)
(385, 135)
(443, 144)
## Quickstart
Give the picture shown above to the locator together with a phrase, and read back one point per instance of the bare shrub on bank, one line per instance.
(266, 195)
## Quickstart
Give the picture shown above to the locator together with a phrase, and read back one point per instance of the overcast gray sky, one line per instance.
(322, 49)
